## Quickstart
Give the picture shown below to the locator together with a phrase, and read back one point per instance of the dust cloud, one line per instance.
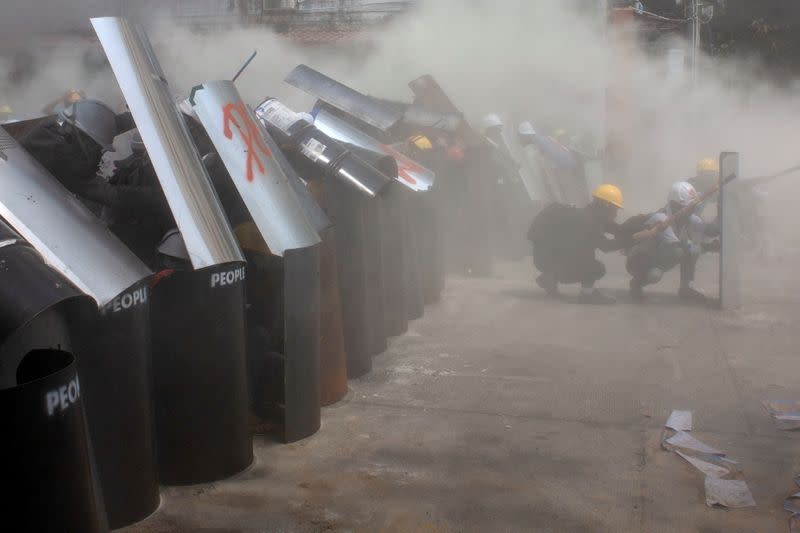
(548, 61)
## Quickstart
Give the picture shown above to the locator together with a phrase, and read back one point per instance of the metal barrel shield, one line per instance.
(112, 354)
(333, 361)
(346, 210)
(242, 143)
(115, 364)
(301, 343)
(67, 235)
(323, 151)
(409, 172)
(394, 255)
(184, 179)
(200, 376)
(47, 459)
(31, 291)
(370, 110)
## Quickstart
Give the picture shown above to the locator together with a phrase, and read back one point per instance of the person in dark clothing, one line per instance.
(71, 144)
(565, 240)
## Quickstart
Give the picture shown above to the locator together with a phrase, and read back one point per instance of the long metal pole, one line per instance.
(695, 38)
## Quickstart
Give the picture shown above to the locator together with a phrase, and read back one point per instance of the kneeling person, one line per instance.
(565, 240)
(680, 243)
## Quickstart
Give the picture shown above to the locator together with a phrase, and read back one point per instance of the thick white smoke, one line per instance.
(542, 60)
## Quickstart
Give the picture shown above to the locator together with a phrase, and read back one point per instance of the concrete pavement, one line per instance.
(502, 410)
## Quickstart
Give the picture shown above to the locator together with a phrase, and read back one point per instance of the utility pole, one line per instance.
(695, 10)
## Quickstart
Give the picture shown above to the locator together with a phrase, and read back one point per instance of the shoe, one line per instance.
(636, 291)
(595, 298)
(690, 295)
(549, 285)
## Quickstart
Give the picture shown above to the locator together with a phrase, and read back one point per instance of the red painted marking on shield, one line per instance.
(405, 165)
(235, 113)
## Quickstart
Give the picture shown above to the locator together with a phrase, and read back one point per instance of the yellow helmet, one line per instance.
(610, 194)
(707, 166)
(421, 142)
(6, 109)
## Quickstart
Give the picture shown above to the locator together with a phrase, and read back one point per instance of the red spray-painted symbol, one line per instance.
(405, 165)
(235, 113)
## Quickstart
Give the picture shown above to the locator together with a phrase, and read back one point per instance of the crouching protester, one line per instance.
(565, 240)
(680, 243)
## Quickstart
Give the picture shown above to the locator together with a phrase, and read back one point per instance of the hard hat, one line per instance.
(707, 165)
(609, 194)
(421, 142)
(682, 193)
(560, 132)
(526, 129)
(93, 118)
(492, 120)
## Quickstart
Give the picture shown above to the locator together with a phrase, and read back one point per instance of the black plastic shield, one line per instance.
(302, 342)
(45, 456)
(199, 369)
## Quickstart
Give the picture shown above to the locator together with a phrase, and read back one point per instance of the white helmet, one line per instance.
(492, 120)
(526, 133)
(682, 193)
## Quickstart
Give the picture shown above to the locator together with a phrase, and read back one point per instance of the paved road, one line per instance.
(502, 410)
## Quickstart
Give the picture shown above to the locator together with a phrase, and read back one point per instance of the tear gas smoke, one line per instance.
(545, 61)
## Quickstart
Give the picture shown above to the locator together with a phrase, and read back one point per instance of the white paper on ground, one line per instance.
(708, 468)
(785, 413)
(681, 439)
(680, 421)
(730, 493)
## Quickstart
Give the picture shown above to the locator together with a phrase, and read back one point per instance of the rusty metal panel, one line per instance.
(241, 141)
(187, 186)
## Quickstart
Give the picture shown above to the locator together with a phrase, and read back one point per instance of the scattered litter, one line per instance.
(712, 465)
(680, 421)
(683, 440)
(794, 523)
(792, 503)
(785, 413)
(730, 493)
